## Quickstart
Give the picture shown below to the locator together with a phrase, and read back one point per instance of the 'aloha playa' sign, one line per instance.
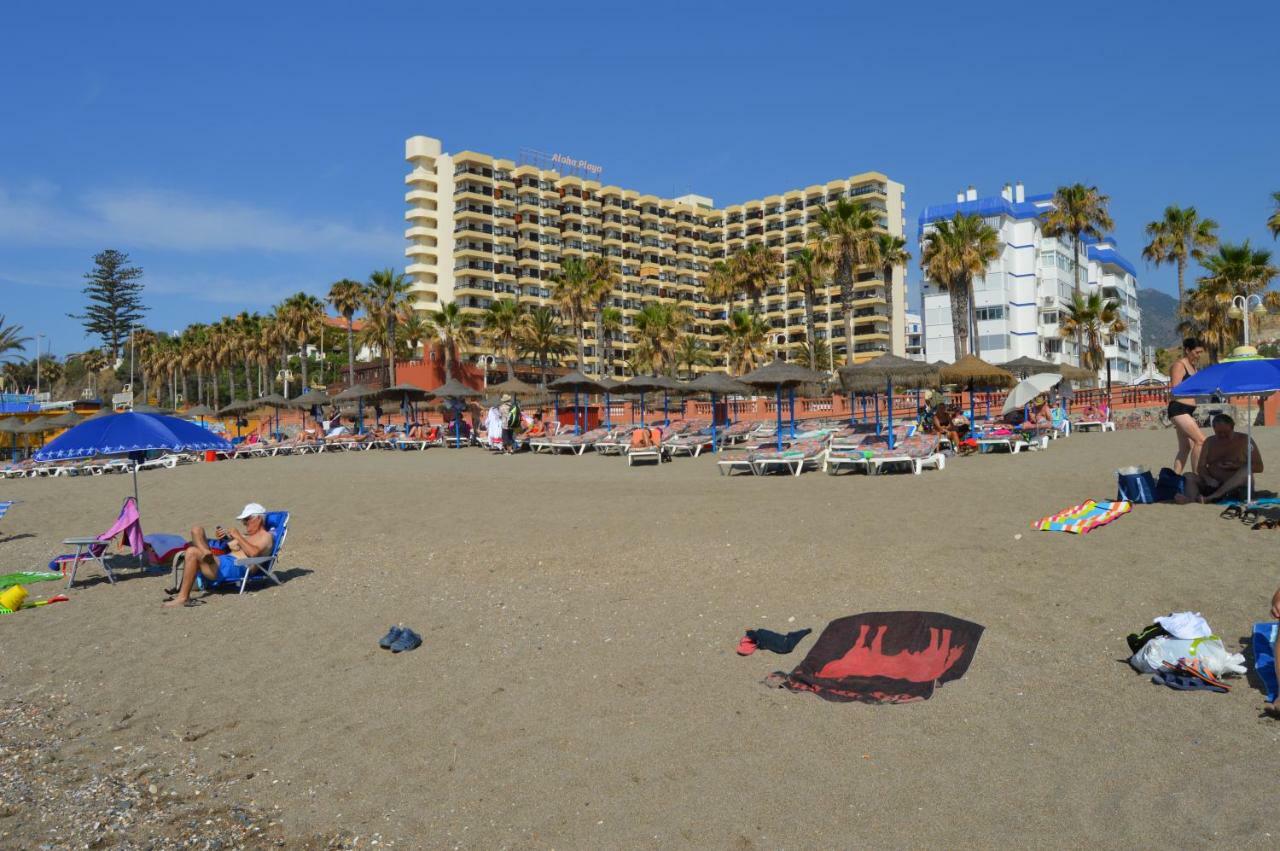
(581, 165)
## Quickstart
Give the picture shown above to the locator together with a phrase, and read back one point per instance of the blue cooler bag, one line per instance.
(1168, 485)
(1135, 485)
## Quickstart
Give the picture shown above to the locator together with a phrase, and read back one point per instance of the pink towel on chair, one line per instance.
(128, 525)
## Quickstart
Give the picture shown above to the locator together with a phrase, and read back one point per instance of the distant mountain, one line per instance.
(1159, 318)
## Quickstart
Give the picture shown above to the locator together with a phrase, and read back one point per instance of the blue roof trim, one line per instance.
(1110, 255)
(993, 206)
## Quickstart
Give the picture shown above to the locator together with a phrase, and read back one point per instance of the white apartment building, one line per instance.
(1019, 302)
(914, 335)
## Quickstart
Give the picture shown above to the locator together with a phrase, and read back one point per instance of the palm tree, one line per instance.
(603, 280)
(248, 333)
(611, 326)
(746, 338)
(501, 325)
(1273, 223)
(660, 327)
(846, 240)
(1235, 270)
(721, 283)
(385, 294)
(303, 314)
(1179, 235)
(890, 251)
(817, 358)
(414, 329)
(954, 252)
(11, 339)
(755, 268)
(1096, 321)
(347, 296)
(1078, 211)
(691, 353)
(809, 272)
(94, 362)
(542, 338)
(572, 289)
(453, 329)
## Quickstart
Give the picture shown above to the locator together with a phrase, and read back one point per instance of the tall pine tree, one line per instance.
(115, 299)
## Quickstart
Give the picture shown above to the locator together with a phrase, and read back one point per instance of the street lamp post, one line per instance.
(39, 337)
(1240, 310)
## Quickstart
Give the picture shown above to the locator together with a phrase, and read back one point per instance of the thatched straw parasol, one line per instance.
(1076, 373)
(1024, 366)
(514, 386)
(972, 371)
(70, 418)
(718, 384)
(778, 375)
(310, 399)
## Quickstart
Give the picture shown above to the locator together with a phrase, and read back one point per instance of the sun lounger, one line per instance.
(690, 444)
(1012, 443)
(916, 453)
(239, 571)
(736, 461)
(575, 444)
(1090, 425)
(793, 459)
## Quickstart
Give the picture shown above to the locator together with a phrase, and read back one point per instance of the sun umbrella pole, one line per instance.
(1248, 482)
(777, 431)
(853, 412)
(714, 444)
(791, 409)
(666, 409)
(970, 401)
(889, 394)
(607, 419)
(875, 403)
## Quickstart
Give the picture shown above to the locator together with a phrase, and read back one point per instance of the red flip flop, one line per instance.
(746, 646)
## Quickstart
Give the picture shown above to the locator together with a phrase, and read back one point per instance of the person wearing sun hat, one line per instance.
(509, 410)
(202, 554)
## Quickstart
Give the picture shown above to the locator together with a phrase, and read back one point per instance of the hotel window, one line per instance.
(1049, 317)
(988, 314)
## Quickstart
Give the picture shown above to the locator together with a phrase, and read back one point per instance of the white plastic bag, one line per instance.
(1209, 650)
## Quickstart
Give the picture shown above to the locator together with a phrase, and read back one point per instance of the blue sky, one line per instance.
(243, 151)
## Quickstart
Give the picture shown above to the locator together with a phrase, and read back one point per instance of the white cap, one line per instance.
(250, 510)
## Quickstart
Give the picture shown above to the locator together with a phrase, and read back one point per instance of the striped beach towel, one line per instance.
(1083, 518)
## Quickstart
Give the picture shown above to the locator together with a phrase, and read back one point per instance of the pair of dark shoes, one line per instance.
(399, 639)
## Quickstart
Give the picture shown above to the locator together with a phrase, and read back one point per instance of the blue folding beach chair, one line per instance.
(233, 570)
(4, 507)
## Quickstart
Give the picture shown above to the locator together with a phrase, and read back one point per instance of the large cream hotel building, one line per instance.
(482, 228)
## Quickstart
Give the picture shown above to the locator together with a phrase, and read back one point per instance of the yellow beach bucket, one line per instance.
(12, 598)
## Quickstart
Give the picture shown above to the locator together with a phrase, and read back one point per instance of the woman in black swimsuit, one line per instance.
(1180, 411)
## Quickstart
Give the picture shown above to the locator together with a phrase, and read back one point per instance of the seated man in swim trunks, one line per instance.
(1223, 464)
(202, 554)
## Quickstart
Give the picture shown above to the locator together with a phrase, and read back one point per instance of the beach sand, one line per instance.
(578, 685)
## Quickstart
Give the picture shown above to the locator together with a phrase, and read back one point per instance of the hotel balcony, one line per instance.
(414, 196)
(419, 232)
(421, 269)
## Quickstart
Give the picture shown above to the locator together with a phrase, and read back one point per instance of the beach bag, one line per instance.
(1264, 657)
(1166, 648)
(1136, 485)
(1168, 485)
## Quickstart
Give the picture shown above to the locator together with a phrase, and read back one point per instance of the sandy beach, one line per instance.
(578, 685)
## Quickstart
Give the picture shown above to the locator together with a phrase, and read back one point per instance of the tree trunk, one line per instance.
(391, 354)
(351, 355)
(510, 359)
(199, 384)
(248, 377)
(960, 318)
(600, 341)
(582, 347)
(810, 327)
(302, 358)
(845, 278)
(284, 369)
(1182, 294)
(888, 299)
(976, 345)
(1079, 338)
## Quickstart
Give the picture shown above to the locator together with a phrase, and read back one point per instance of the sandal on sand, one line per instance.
(408, 640)
(190, 604)
(392, 636)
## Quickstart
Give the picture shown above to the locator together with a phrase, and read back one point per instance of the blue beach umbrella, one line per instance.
(1244, 376)
(133, 435)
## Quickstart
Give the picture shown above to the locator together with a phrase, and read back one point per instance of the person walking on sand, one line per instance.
(1181, 411)
(202, 554)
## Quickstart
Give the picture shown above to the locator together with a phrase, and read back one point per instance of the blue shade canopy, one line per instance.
(120, 434)
(1247, 376)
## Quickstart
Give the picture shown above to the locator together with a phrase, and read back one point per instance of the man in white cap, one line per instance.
(202, 554)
